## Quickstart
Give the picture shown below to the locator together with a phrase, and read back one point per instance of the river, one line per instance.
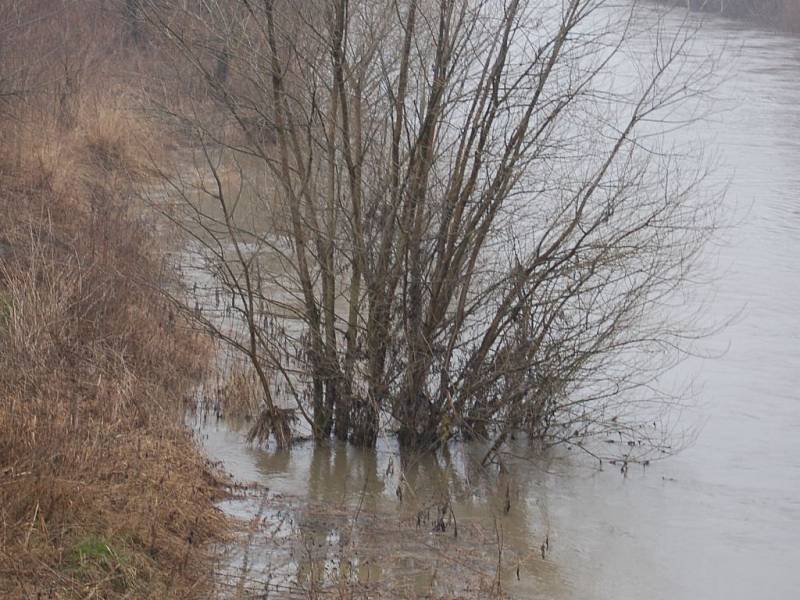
(721, 519)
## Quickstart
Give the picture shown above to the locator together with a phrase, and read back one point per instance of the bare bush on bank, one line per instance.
(445, 218)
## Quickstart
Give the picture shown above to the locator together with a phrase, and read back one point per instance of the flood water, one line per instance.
(719, 520)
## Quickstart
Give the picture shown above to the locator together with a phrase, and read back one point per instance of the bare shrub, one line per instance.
(472, 226)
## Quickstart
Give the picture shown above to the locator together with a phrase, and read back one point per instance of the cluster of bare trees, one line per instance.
(54, 52)
(447, 217)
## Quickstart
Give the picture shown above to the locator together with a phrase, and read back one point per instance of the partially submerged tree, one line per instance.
(452, 214)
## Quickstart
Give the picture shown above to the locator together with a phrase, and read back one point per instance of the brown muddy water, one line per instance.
(720, 519)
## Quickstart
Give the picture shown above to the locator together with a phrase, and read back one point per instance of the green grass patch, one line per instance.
(96, 549)
(5, 309)
(94, 554)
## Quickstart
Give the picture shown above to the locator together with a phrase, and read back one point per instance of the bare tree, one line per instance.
(454, 214)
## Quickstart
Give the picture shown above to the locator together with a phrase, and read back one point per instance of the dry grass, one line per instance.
(237, 393)
(102, 491)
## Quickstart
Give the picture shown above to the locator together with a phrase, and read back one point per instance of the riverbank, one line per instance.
(783, 15)
(103, 491)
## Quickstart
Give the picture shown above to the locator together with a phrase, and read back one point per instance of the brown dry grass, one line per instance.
(238, 392)
(103, 493)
